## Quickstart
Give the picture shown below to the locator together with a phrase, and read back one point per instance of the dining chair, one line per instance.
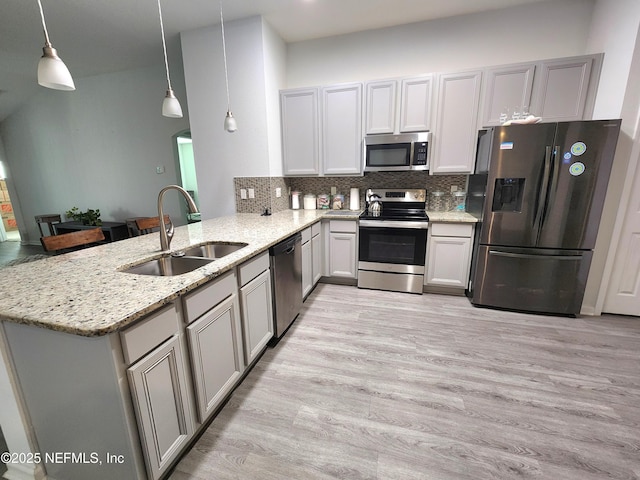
(64, 241)
(150, 224)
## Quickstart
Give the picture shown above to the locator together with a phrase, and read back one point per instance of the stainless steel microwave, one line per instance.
(406, 151)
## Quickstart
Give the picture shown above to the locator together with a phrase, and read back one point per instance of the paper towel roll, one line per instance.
(354, 199)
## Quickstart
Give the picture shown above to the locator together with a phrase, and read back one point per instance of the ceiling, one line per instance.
(94, 37)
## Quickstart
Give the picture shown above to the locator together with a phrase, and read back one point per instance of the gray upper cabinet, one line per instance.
(342, 129)
(456, 130)
(416, 97)
(505, 88)
(564, 88)
(381, 107)
(300, 122)
(407, 110)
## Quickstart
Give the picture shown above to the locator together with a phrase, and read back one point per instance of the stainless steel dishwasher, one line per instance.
(286, 276)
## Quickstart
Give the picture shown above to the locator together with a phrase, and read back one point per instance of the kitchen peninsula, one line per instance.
(74, 324)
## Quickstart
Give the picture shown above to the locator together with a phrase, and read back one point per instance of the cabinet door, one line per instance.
(342, 129)
(456, 130)
(300, 131)
(561, 89)
(307, 269)
(506, 88)
(448, 261)
(316, 258)
(257, 315)
(342, 255)
(381, 107)
(415, 104)
(216, 354)
(162, 403)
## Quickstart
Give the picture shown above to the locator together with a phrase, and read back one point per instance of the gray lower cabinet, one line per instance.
(161, 399)
(343, 249)
(216, 354)
(215, 341)
(312, 254)
(256, 306)
(449, 255)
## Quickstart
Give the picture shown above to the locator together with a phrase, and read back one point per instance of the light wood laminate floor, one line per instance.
(381, 385)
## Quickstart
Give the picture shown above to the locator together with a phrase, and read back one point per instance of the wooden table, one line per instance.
(113, 231)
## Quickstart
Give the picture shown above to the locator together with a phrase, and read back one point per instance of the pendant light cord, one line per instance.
(224, 55)
(164, 46)
(44, 26)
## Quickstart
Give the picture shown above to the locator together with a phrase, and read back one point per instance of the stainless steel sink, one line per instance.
(186, 260)
(213, 249)
(168, 266)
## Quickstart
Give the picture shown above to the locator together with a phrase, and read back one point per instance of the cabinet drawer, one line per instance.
(254, 267)
(208, 296)
(316, 228)
(344, 226)
(306, 235)
(149, 333)
(451, 229)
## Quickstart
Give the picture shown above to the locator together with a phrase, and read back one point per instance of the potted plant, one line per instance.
(90, 217)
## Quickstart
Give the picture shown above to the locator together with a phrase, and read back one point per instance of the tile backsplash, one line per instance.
(265, 187)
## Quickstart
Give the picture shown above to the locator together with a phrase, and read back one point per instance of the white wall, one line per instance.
(275, 54)
(613, 31)
(523, 33)
(96, 147)
(219, 155)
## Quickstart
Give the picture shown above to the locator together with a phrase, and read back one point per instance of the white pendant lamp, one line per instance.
(170, 105)
(52, 72)
(230, 124)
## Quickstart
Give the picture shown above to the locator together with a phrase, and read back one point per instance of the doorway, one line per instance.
(8, 226)
(187, 170)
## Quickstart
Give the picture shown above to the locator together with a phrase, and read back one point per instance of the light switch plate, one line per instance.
(243, 193)
(252, 193)
(278, 192)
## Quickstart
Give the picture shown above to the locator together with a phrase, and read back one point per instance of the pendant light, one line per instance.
(230, 124)
(52, 72)
(170, 105)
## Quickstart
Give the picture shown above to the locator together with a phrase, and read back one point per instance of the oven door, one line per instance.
(391, 247)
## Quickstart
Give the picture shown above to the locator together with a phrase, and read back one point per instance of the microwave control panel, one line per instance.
(420, 153)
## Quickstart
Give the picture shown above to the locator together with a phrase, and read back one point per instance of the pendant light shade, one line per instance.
(230, 124)
(52, 72)
(170, 105)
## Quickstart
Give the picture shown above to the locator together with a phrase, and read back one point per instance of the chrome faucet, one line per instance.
(166, 234)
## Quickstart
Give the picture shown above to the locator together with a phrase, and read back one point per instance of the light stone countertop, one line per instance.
(85, 293)
(451, 217)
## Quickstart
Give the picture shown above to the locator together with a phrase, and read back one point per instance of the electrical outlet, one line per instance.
(243, 193)
(278, 192)
(454, 188)
(160, 169)
(252, 193)
(333, 190)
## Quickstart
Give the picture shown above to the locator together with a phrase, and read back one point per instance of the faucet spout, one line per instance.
(167, 235)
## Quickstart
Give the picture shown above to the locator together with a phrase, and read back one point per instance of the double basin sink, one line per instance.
(184, 261)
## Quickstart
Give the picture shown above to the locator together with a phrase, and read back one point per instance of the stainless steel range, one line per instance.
(393, 240)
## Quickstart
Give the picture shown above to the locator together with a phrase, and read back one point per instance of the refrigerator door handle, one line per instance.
(529, 255)
(542, 193)
(552, 188)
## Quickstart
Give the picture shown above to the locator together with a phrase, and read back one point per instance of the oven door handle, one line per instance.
(394, 224)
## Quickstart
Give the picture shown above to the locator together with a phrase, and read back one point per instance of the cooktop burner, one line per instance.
(396, 204)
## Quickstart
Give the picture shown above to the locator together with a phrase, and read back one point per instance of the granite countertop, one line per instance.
(84, 293)
(451, 217)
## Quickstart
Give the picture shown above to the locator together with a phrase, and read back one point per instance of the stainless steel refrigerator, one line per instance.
(545, 186)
